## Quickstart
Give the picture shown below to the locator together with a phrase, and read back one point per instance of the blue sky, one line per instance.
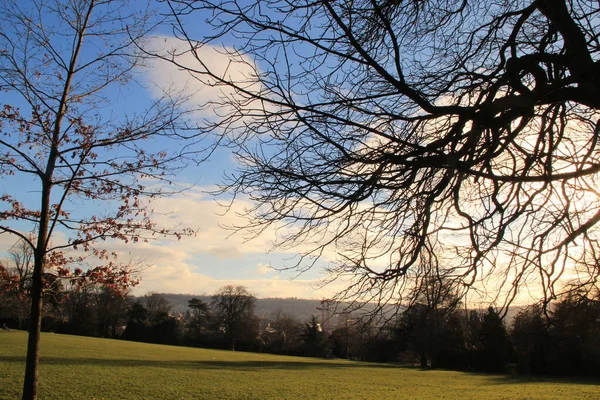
(215, 256)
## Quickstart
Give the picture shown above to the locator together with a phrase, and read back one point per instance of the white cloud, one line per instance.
(215, 228)
(185, 72)
(173, 277)
(209, 220)
(224, 252)
(263, 269)
(214, 256)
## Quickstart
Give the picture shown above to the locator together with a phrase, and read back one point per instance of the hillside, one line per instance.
(302, 309)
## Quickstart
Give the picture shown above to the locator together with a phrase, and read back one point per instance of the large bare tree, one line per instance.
(234, 308)
(409, 133)
(79, 159)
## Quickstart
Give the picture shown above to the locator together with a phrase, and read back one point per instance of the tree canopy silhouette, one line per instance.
(406, 133)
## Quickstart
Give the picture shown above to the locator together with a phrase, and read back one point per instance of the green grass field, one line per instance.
(75, 367)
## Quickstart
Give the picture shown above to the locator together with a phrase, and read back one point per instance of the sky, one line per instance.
(215, 256)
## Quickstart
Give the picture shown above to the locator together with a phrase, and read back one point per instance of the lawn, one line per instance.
(75, 367)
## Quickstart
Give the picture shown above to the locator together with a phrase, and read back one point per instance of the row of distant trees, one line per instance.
(92, 308)
(436, 331)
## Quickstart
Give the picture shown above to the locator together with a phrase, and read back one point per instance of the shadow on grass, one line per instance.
(514, 379)
(501, 379)
(251, 365)
(257, 365)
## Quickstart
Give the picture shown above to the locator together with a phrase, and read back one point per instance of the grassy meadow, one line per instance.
(75, 367)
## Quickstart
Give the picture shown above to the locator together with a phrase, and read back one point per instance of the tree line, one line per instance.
(436, 331)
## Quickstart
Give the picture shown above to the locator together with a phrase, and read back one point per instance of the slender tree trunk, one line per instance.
(30, 385)
(423, 358)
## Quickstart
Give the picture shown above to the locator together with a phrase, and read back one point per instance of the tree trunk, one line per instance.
(30, 384)
(423, 359)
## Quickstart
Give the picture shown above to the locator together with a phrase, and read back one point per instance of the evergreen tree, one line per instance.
(496, 349)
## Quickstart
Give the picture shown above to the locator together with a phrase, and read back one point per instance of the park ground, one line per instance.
(74, 367)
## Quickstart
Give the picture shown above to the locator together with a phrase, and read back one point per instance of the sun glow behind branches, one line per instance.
(502, 263)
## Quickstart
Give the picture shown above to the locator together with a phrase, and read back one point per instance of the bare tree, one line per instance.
(384, 130)
(89, 168)
(234, 309)
(157, 305)
(434, 306)
(21, 258)
(286, 329)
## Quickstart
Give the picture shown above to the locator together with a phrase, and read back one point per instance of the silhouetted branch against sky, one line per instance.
(410, 133)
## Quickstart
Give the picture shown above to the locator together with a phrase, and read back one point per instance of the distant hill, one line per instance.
(301, 309)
